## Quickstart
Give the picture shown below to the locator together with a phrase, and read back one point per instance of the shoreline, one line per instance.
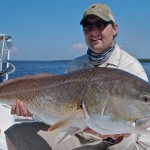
(144, 60)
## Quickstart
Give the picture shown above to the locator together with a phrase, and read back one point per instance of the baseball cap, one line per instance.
(100, 10)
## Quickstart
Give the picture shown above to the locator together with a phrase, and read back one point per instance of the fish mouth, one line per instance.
(143, 123)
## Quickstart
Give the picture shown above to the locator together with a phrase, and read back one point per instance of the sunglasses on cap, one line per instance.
(100, 24)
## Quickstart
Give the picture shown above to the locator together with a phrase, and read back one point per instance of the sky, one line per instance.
(49, 30)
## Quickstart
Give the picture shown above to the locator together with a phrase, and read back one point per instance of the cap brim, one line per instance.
(100, 16)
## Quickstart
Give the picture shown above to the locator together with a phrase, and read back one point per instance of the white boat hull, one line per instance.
(6, 120)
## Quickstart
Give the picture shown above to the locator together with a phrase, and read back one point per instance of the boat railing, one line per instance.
(7, 67)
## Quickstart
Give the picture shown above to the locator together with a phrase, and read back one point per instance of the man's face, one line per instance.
(99, 34)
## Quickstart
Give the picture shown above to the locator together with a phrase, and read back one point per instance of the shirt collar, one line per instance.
(113, 60)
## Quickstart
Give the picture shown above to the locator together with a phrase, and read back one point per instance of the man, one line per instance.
(100, 30)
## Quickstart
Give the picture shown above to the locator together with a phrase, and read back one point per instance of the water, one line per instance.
(53, 67)
(34, 67)
(146, 66)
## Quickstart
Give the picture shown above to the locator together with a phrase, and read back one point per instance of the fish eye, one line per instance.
(146, 99)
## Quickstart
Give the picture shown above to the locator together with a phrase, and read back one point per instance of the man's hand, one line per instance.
(20, 110)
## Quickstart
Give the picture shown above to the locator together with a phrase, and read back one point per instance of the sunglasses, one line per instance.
(98, 24)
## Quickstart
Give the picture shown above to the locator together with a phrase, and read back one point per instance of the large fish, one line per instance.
(107, 100)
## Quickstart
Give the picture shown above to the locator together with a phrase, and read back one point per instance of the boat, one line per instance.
(6, 119)
(7, 67)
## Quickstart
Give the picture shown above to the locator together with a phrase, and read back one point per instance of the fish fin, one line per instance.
(66, 134)
(66, 128)
(7, 106)
(67, 121)
(42, 75)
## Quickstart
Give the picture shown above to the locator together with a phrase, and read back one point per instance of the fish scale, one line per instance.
(107, 100)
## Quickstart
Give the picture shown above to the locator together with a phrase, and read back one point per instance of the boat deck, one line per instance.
(8, 120)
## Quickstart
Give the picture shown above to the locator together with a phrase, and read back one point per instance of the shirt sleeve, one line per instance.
(143, 76)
